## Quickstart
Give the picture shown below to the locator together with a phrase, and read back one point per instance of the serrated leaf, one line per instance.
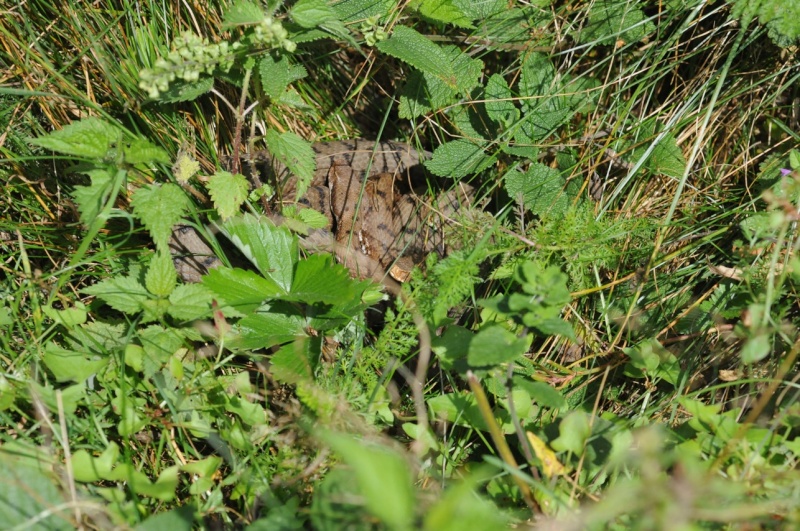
(187, 91)
(185, 167)
(545, 395)
(412, 47)
(358, 10)
(274, 73)
(457, 159)
(161, 277)
(311, 13)
(189, 302)
(542, 189)
(479, 10)
(142, 151)
(499, 105)
(159, 207)
(228, 192)
(91, 138)
(296, 154)
(667, 158)
(242, 13)
(273, 250)
(295, 361)
(124, 294)
(536, 80)
(312, 218)
(614, 21)
(243, 290)
(445, 11)
(91, 199)
(495, 345)
(319, 279)
(265, 329)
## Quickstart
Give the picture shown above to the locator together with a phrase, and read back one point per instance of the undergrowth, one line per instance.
(611, 343)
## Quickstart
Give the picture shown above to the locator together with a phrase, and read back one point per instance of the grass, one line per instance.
(669, 400)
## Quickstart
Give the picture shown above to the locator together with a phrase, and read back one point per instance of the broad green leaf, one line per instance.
(159, 345)
(180, 519)
(319, 279)
(243, 290)
(296, 154)
(457, 159)
(91, 199)
(615, 22)
(30, 497)
(542, 189)
(573, 431)
(204, 467)
(70, 397)
(274, 73)
(187, 91)
(445, 11)
(68, 365)
(495, 345)
(295, 361)
(242, 13)
(124, 294)
(311, 13)
(142, 151)
(667, 158)
(228, 192)
(312, 218)
(161, 277)
(90, 138)
(268, 328)
(68, 317)
(88, 469)
(273, 250)
(452, 346)
(459, 408)
(412, 47)
(359, 10)
(544, 394)
(189, 302)
(461, 507)
(756, 348)
(537, 79)
(548, 284)
(499, 105)
(479, 10)
(159, 208)
(383, 476)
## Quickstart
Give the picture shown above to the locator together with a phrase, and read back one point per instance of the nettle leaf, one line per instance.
(536, 80)
(499, 105)
(445, 11)
(159, 207)
(91, 138)
(228, 192)
(91, 199)
(478, 10)
(189, 302)
(161, 277)
(187, 91)
(614, 21)
(542, 189)
(311, 13)
(412, 47)
(142, 151)
(242, 13)
(296, 154)
(358, 10)
(124, 294)
(457, 158)
(273, 250)
(274, 73)
(241, 289)
(494, 345)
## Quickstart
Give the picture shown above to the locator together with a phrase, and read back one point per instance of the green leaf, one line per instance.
(243, 290)
(462, 507)
(142, 151)
(537, 79)
(68, 317)
(383, 476)
(180, 519)
(295, 361)
(499, 105)
(187, 91)
(418, 51)
(267, 328)
(756, 348)
(445, 11)
(479, 10)
(185, 167)
(611, 21)
(90, 138)
(274, 73)
(495, 345)
(273, 250)
(457, 159)
(573, 431)
(242, 13)
(459, 408)
(359, 10)
(319, 279)
(68, 365)
(228, 191)
(159, 207)
(296, 154)
(161, 277)
(543, 394)
(542, 189)
(452, 346)
(189, 302)
(91, 199)
(311, 13)
(124, 294)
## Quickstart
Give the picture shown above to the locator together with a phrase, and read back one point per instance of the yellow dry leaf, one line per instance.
(550, 464)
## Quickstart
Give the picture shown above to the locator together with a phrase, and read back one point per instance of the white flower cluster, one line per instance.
(190, 57)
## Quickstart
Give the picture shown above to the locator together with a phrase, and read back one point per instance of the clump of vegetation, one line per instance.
(613, 345)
